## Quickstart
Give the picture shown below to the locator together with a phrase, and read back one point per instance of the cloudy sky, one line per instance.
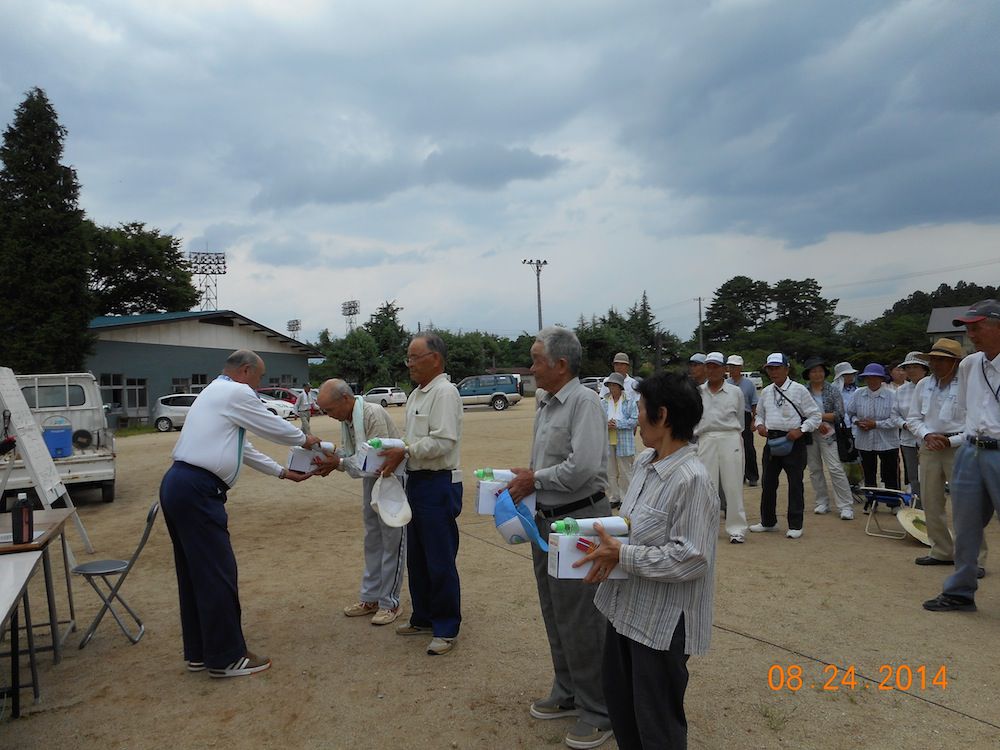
(418, 152)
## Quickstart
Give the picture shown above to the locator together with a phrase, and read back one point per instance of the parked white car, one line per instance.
(386, 395)
(169, 412)
(283, 409)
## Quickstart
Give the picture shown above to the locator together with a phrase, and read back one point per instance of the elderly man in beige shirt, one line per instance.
(434, 491)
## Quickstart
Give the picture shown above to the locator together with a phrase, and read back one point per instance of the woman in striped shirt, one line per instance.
(876, 424)
(662, 612)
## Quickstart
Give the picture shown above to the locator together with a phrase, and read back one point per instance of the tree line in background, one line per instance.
(59, 269)
(746, 317)
(753, 318)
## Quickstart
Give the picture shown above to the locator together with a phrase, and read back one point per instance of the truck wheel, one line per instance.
(164, 425)
(108, 491)
(499, 403)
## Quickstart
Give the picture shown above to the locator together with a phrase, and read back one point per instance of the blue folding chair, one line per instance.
(891, 500)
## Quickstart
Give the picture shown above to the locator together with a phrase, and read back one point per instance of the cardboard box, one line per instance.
(563, 552)
(486, 497)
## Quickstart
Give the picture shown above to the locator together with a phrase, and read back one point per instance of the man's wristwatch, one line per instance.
(538, 483)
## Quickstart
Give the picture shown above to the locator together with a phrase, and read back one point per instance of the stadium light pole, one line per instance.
(537, 265)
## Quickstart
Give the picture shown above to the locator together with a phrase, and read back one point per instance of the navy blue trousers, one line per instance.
(432, 551)
(193, 503)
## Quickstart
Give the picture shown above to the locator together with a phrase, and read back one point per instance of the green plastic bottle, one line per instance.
(613, 525)
(386, 443)
(494, 475)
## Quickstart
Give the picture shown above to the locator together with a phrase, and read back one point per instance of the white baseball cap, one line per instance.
(735, 359)
(776, 359)
(715, 358)
(698, 358)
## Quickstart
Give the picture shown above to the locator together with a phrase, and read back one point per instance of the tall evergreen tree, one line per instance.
(43, 253)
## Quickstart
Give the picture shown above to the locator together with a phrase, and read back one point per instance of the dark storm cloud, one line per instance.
(797, 120)
(299, 180)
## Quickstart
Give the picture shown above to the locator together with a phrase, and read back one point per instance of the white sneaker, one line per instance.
(821, 510)
(736, 539)
(847, 514)
(761, 527)
(793, 533)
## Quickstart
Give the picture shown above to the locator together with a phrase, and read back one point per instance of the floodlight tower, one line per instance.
(350, 310)
(294, 326)
(206, 268)
(537, 265)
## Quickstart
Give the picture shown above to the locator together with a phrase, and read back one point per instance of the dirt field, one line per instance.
(835, 596)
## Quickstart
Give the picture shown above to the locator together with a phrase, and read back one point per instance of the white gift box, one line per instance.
(301, 459)
(563, 552)
(370, 461)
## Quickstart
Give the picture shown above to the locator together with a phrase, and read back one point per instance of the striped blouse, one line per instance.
(879, 405)
(670, 558)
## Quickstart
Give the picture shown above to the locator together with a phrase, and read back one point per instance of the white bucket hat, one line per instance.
(389, 501)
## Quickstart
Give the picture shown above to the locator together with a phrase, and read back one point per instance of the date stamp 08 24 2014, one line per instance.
(902, 677)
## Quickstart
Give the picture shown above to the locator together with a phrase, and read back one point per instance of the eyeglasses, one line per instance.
(411, 360)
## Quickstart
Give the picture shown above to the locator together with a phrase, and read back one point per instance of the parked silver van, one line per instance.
(68, 410)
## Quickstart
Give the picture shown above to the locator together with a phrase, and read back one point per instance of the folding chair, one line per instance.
(891, 499)
(104, 568)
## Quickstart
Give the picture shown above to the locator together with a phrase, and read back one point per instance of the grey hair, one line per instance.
(435, 344)
(241, 358)
(561, 343)
(340, 388)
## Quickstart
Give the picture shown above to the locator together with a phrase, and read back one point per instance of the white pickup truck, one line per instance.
(68, 407)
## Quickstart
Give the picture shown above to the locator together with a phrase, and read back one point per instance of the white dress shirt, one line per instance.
(978, 391)
(214, 434)
(936, 410)
(434, 426)
(775, 410)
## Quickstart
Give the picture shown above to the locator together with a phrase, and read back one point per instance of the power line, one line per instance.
(912, 275)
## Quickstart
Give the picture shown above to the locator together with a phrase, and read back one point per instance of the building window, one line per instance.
(198, 382)
(135, 393)
(273, 381)
(180, 385)
(112, 392)
(286, 379)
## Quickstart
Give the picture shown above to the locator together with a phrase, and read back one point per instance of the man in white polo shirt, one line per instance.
(207, 460)
(720, 442)
(975, 486)
(787, 416)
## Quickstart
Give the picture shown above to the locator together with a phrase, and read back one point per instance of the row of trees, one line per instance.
(373, 353)
(748, 317)
(753, 318)
(58, 269)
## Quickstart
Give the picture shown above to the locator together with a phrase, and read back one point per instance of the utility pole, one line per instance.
(537, 265)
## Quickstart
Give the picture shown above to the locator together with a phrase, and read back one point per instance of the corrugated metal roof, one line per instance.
(123, 321)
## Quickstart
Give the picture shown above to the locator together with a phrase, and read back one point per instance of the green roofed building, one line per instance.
(138, 358)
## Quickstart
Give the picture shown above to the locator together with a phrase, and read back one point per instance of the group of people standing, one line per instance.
(619, 647)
